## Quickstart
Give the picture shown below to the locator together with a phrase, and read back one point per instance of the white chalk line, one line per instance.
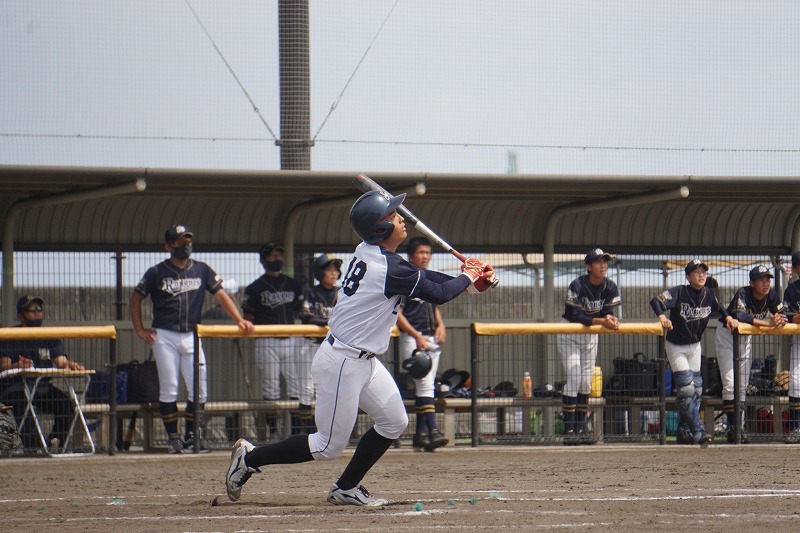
(549, 494)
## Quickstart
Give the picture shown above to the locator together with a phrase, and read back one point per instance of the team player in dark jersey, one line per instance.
(591, 300)
(347, 375)
(422, 328)
(757, 304)
(791, 301)
(319, 303)
(320, 299)
(177, 288)
(690, 307)
(275, 298)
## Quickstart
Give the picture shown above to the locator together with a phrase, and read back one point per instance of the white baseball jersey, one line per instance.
(366, 310)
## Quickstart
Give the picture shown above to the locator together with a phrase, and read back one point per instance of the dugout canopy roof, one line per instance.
(82, 208)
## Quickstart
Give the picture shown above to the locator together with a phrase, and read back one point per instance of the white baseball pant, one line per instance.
(174, 353)
(346, 383)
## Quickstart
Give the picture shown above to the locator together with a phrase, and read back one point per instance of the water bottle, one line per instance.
(527, 385)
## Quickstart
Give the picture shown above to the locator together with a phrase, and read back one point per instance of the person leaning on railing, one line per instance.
(791, 300)
(757, 304)
(690, 307)
(32, 354)
(590, 301)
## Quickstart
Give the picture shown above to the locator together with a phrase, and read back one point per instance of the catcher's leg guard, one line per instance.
(685, 392)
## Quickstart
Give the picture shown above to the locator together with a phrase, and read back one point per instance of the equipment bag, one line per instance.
(634, 377)
(142, 381)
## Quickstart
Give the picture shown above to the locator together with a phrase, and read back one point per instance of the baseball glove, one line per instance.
(9, 436)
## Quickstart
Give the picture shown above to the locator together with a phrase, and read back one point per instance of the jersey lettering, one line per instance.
(179, 286)
(690, 313)
(275, 299)
(355, 273)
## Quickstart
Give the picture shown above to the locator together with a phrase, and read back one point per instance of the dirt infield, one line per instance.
(608, 487)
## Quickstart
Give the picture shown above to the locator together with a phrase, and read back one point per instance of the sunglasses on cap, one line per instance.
(33, 309)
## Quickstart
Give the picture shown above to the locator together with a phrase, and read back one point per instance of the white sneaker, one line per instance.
(355, 496)
(239, 472)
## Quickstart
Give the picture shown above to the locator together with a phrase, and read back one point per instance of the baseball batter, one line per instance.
(422, 328)
(690, 307)
(177, 288)
(346, 373)
(791, 301)
(757, 304)
(591, 300)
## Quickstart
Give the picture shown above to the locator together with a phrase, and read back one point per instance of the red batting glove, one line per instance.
(487, 280)
(472, 268)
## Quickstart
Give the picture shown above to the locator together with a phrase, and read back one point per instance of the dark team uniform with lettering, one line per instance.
(318, 305)
(744, 307)
(278, 300)
(584, 302)
(273, 300)
(177, 296)
(689, 311)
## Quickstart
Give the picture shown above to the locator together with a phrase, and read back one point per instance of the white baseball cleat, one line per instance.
(238, 472)
(355, 496)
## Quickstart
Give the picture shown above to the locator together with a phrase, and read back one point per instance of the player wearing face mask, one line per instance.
(177, 288)
(275, 298)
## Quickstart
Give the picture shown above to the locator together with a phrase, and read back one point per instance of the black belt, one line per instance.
(361, 353)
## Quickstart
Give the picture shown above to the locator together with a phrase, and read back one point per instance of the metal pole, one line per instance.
(662, 393)
(112, 387)
(473, 345)
(295, 84)
(196, 399)
(737, 416)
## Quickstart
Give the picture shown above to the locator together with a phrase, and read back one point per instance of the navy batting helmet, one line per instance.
(418, 365)
(367, 212)
(321, 263)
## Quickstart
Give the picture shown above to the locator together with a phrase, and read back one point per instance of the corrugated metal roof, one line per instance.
(240, 210)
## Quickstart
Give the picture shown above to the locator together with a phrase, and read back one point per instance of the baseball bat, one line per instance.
(366, 184)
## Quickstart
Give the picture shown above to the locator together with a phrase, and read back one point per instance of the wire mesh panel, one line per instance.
(505, 352)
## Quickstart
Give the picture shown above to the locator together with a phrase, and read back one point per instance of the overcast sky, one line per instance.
(570, 87)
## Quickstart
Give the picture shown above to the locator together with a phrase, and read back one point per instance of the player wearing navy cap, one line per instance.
(791, 301)
(591, 300)
(346, 373)
(177, 288)
(690, 307)
(757, 304)
(276, 299)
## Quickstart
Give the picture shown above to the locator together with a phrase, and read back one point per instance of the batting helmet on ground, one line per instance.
(367, 212)
(321, 263)
(418, 365)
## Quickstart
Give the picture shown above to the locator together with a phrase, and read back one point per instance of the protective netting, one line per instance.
(404, 85)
